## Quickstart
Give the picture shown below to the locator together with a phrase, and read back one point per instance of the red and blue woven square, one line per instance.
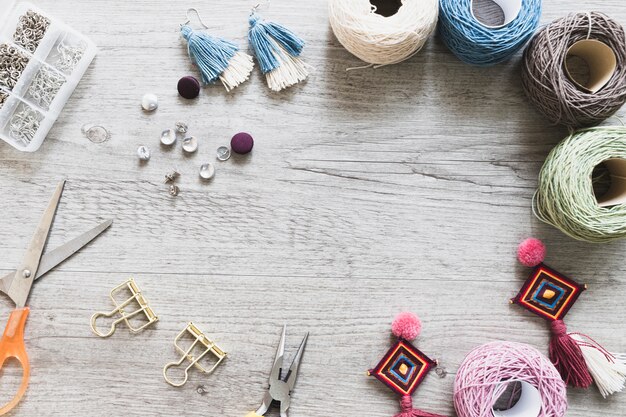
(403, 368)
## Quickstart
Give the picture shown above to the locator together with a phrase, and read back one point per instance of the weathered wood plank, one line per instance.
(368, 192)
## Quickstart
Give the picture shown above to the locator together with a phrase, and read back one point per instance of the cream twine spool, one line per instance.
(380, 40)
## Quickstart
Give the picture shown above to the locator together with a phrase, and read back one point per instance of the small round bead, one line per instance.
(207, 171)
(223, 153)
(242, 143)
(143, 153)
(190, 144)
(149, 102)
(181, 127)
(168, 137)
(188, 87)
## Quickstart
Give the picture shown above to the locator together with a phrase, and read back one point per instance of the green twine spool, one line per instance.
(565, 197)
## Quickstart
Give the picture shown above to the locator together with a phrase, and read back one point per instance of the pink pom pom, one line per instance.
(531, 252)
(406, 326)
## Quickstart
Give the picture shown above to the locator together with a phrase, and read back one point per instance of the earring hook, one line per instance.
(194, 10)
(259, 4)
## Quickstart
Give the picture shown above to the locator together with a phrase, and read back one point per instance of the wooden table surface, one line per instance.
(368, 192)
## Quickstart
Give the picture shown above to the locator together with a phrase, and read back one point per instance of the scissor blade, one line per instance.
(58, 255)
(25, 274)
(53, 258)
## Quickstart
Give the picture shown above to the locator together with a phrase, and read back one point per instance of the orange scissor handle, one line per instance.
(12, 346)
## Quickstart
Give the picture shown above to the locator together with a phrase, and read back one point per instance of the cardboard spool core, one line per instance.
(616, 193)
(600, 60)
(510, 10)
(528, 405)
(386, 8)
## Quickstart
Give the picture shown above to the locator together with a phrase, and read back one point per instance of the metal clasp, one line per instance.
(205, 346)
(120, 308)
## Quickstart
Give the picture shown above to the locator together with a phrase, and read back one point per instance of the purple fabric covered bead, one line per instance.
(188, 87)
(242, 143)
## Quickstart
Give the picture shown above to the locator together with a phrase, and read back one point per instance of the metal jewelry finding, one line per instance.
(45, 86)
(69, 57)
(30, 30)
(171, 177)
(12, 64)
(24, 124)
(174, 190)
(95, 133)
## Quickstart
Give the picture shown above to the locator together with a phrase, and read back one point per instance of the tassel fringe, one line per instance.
(217, 58)
(238, 70)
(608, 372)
(567, 357)
(288, 73)
(408, 411)
(278, 50)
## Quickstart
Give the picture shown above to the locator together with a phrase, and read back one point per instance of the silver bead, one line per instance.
(223, 153)
(168, 137)
(143, 153)
(149, 102)
(174, 190)
(190, 144)
(207, 171)
(181, 127)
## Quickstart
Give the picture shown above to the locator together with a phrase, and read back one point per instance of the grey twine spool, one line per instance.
(545, 79)
(565, 196)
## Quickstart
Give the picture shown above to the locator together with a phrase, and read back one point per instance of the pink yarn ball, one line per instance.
(531, 252)
(485, 368)
(406, 326)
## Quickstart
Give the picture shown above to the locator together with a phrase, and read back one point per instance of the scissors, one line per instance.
(17, 285)
(280, 389)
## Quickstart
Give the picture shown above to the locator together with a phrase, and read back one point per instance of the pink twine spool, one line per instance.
(485, 369)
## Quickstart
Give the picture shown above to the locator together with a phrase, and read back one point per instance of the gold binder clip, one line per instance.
(202, 345)
(135, 298)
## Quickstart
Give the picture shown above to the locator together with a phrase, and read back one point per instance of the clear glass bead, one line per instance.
(181, 127)
(168, 137)
(143, 153)
(207, 171)
(190, 144)
(223, 153)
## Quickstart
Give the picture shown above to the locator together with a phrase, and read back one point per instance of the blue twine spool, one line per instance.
(479, 44)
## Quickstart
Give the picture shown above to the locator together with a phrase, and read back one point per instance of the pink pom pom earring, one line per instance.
(404, 366)
(549, 294)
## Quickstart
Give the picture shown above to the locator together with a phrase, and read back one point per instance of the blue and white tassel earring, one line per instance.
(216, 58)
(278, 51)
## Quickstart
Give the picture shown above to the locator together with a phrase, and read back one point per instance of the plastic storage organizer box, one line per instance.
(41, 62)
